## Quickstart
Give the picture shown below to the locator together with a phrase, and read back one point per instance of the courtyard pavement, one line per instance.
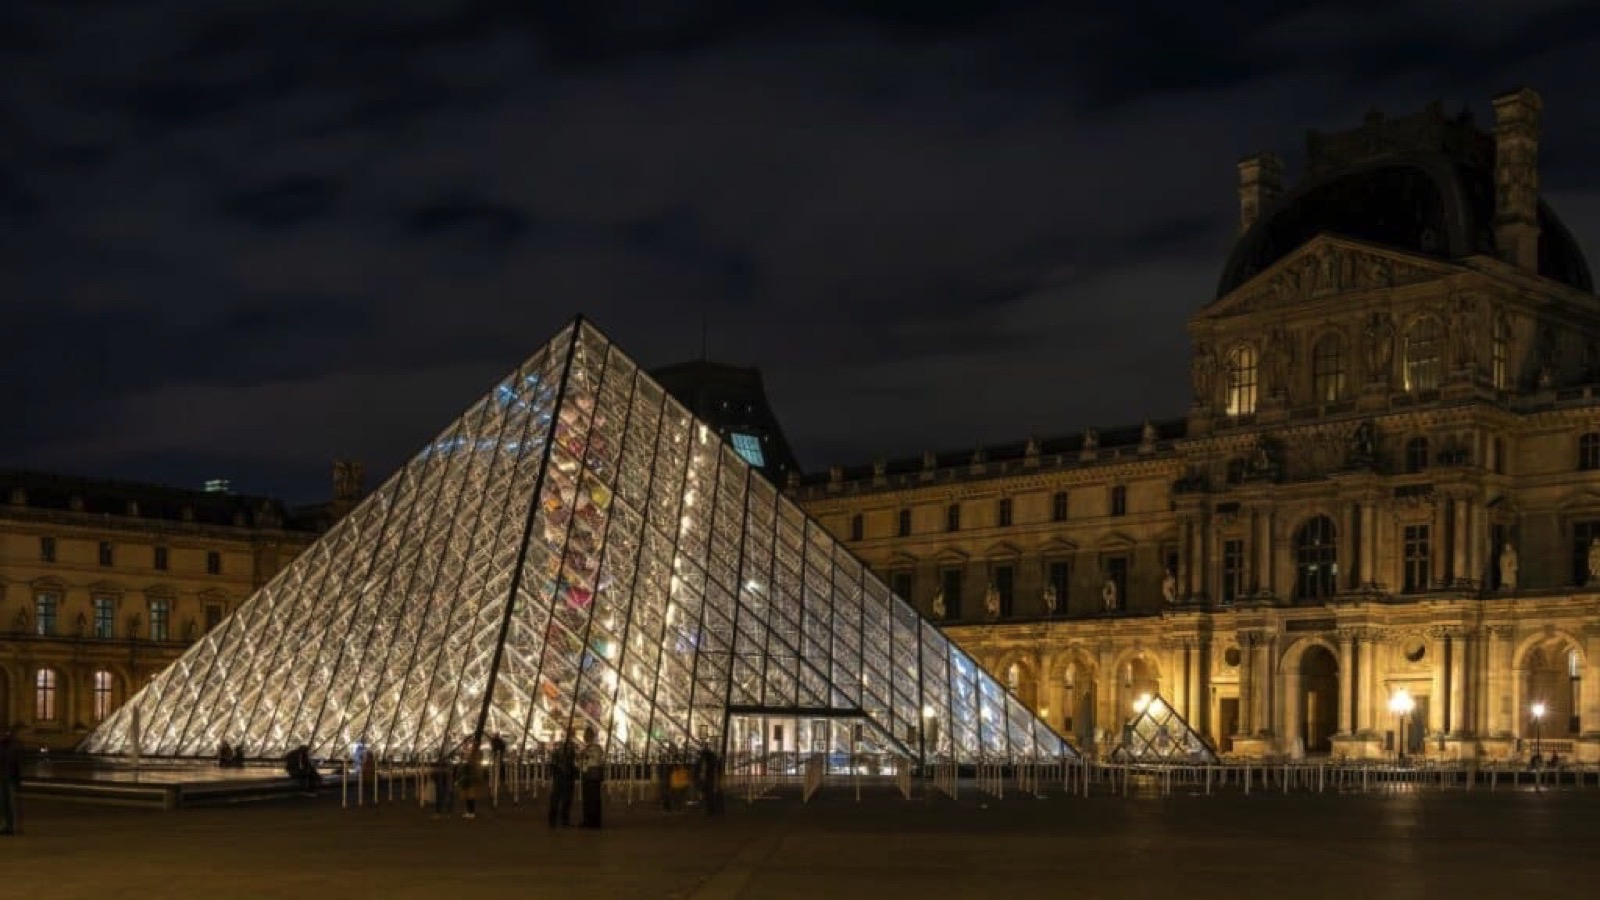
(1366, 847)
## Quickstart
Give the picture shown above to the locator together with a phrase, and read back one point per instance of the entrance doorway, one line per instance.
(1319, 701)
(1227, 722)
(782, 742)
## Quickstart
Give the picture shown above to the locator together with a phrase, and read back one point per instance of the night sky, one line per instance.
(243, 238)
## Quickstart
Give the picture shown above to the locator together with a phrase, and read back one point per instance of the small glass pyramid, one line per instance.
(575, 551)
(1158, 734)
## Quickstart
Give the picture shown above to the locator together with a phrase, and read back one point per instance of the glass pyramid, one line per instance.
(1158, 734)
(575, 551)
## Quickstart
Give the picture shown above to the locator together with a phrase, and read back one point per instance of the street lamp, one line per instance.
(1401, 704)
(1538, 727)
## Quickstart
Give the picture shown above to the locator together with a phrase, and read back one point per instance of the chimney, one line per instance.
(1516, 178)
(1260, 183)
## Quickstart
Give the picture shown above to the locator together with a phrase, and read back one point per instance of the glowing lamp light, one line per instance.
(1142, 703)
(1537, 710)
(1401, 704)
(927, 712)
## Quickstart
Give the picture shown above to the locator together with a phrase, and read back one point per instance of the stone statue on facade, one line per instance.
(1508, 567)
(1169, 587)
(1380, 347)
(1050, 599)
(1594, 561)
(1108, 595)
(1363, 445)
(1278, 361)
(1148, 436)
(1091, 440)
(991, 601)
(938, 605)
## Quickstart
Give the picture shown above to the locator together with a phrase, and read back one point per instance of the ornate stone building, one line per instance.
(104, 584)
(1388, 483)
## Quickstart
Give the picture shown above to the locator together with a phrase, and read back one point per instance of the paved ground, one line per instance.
(1268, 845)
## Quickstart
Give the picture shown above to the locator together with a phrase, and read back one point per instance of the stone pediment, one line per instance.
(1327, 266)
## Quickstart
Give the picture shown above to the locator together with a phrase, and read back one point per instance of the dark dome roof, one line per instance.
(1437, 204)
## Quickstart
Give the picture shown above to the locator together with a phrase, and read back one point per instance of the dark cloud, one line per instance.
(243, 238)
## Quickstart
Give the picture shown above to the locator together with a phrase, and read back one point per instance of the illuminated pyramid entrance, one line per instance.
(1158, 734)
(573, 551)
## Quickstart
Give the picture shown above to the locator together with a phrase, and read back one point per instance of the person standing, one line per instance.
(441, 787)
(471, 782)
(594, 773)
(563, 778)
(10, 784)
(709, 771)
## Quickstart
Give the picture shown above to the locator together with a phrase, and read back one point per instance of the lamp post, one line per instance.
(1538, 728)
(1401, 704)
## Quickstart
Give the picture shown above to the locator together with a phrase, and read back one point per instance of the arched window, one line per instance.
(1422, 355)
(1241, 399)
(1416, 454)
(1589, 451)
(1499, 349)
(1327, 369)
(1316, 560)
(104, 696)
(44, 695)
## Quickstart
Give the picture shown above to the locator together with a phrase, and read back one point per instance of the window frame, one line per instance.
(47, 548)
(1315, 545)
(46, 612)
(1004, 513)
(160, 558)
(952, 518)
(104, 603)
(1235, 571)
(213, 562)
(107, 554)
(160, 626)
(1060, 506)
(1424, 362)
(1416, 558)
(102, 690)
(46, 695)
(1119, 500)
(858, 527)
(1328, 368)
(1242, 381)
(1416, 454)
(1589, 451)
(904, 523)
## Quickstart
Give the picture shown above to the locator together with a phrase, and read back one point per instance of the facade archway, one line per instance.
(1137, 673)
(1549, 674)
(1077, 680)
(1318, 698)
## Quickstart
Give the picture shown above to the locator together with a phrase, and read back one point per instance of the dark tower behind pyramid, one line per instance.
(575, 551)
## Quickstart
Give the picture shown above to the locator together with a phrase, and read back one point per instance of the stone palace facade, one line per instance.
(1387, 486)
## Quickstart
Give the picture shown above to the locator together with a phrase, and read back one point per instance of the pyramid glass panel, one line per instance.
(1158, 734)
(574, 554)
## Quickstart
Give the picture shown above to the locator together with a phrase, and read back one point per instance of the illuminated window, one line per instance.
(102, 695)
(105, 613)
(749, 447)
(1499, 342)
(160, 611)
(1058, 507)
(1316, 560)
(1589, 451)
(44, 613)
(1417, 560)
(1241, 399)
(1422, 355)
(44, 695)
(1327, 369)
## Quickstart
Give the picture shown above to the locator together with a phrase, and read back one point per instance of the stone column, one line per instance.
(1263, 693)
(1263, 552)
(1188, 559)
(1458, 685)
(1369, 543)
(1197, 692)
(1364, 713)
(1438, 703)
(1499, 679)
(1589, 706)
(1346, 681)
(1459, 515)
(1247, 683)
(1349, 553)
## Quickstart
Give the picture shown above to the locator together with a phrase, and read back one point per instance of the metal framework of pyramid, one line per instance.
(575, 551)
(1159, 734)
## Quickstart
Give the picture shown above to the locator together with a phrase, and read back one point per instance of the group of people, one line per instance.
(704, 770)
(568, 767)
(230, 757)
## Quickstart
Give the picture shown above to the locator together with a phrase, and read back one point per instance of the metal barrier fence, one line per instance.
(382, 781)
